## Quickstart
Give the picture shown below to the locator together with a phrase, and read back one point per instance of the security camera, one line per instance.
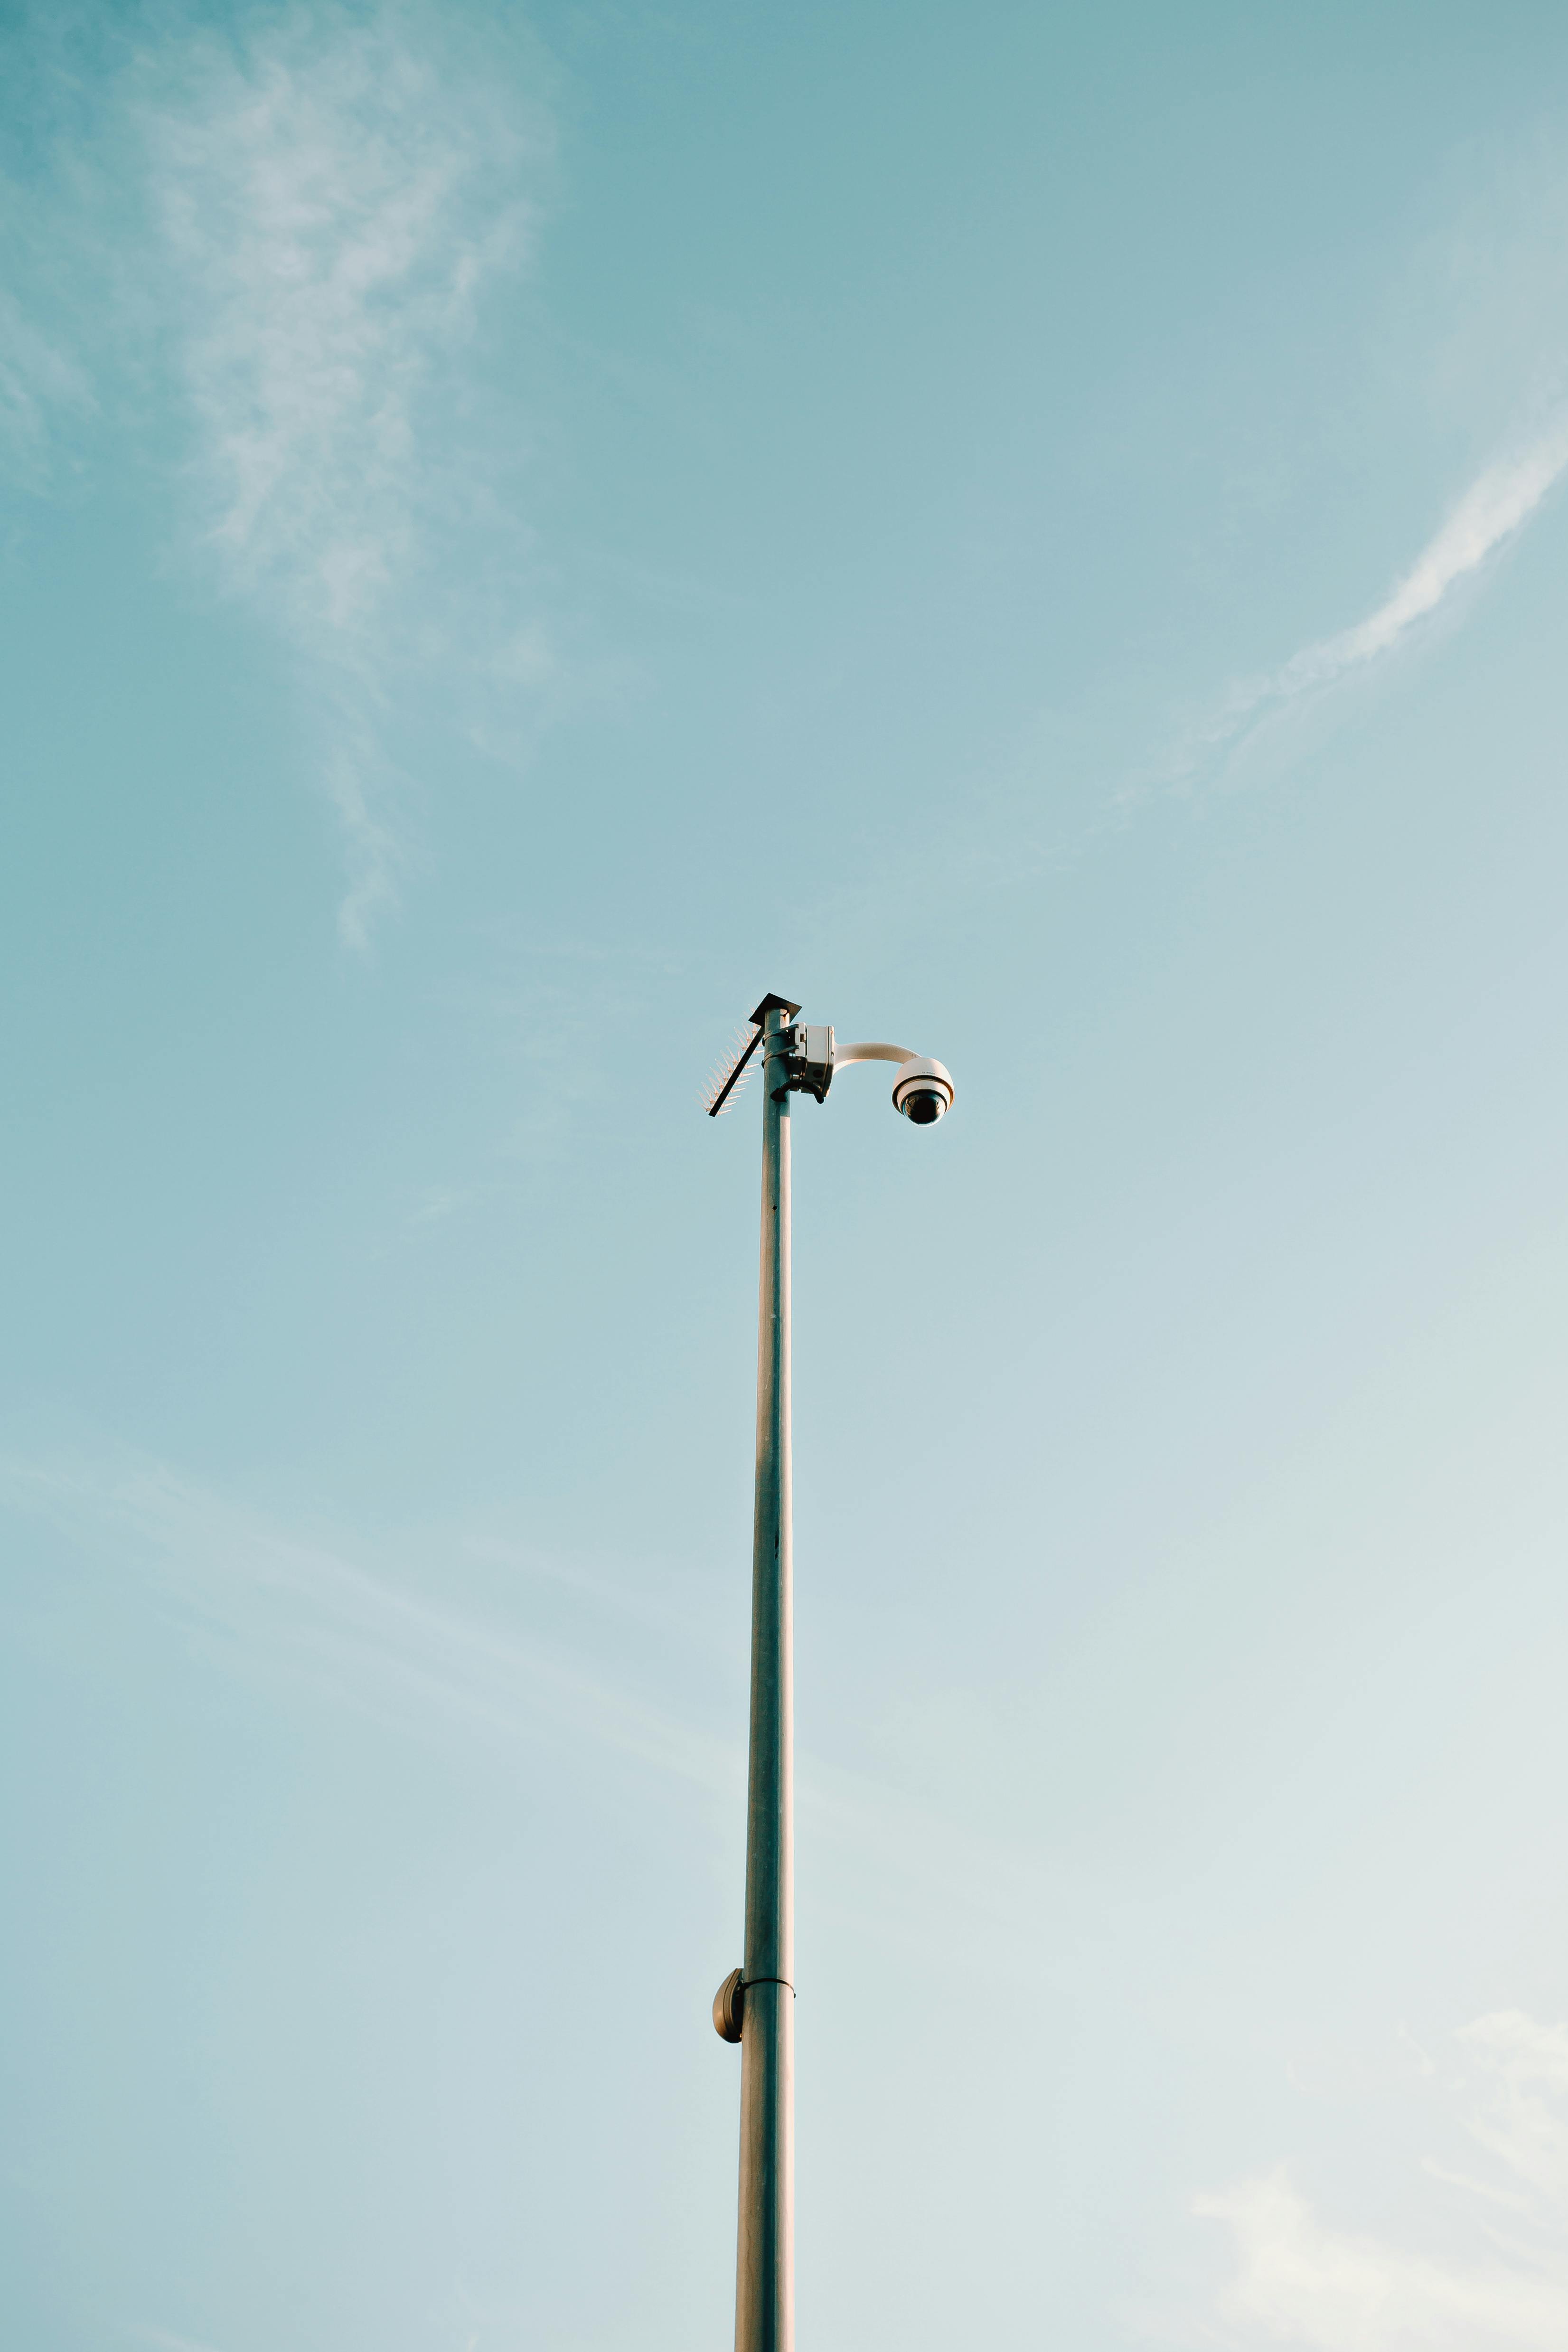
(922, 1091)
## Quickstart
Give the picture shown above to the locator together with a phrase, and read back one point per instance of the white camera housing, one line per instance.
(923, 1091)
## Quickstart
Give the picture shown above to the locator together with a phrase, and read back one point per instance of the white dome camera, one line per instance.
(922, 1090)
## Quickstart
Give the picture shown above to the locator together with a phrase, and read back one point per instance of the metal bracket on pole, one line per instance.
(806, 1056)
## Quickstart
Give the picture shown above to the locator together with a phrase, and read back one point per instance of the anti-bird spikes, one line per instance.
(731, 1072)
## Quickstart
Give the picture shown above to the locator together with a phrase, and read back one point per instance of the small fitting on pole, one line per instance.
(728, 2007)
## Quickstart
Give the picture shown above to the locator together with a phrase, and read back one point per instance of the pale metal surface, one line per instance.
(765, 2266)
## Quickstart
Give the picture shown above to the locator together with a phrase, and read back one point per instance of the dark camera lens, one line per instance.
(924, 1104)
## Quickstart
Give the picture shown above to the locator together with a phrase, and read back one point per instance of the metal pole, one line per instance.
(764, 2265)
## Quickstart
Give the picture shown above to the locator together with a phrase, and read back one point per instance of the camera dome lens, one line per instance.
(923, 1089)
(924, 1105)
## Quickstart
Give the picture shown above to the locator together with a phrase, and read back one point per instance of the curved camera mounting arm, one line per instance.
(802, 1059)
(870, 1053)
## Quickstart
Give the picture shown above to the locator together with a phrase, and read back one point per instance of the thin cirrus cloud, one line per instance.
(38, 381)
(268, 1603)
(1298, 2280)
(260, 1598)
(271, 260)
(335, 204)
(1498, 503)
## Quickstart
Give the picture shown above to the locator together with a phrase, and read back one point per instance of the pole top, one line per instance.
(773, 1005)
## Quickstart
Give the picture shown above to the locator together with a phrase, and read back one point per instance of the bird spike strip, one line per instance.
(731, 1072)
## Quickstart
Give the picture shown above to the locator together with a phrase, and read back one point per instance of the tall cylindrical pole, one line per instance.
(764, 2268)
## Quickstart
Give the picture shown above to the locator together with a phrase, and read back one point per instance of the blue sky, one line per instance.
(1040, 533)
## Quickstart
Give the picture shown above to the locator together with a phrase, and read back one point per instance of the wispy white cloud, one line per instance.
(331, 200)
(1300, 2280)
(1498, 503)
(334, 198)
(37, 380)
(1525, 2068)
(277, 248)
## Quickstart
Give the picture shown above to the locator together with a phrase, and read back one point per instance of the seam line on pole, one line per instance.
(745, 1982)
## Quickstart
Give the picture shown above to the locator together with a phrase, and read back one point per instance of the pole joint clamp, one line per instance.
(728, 2005)
(729, 2002)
